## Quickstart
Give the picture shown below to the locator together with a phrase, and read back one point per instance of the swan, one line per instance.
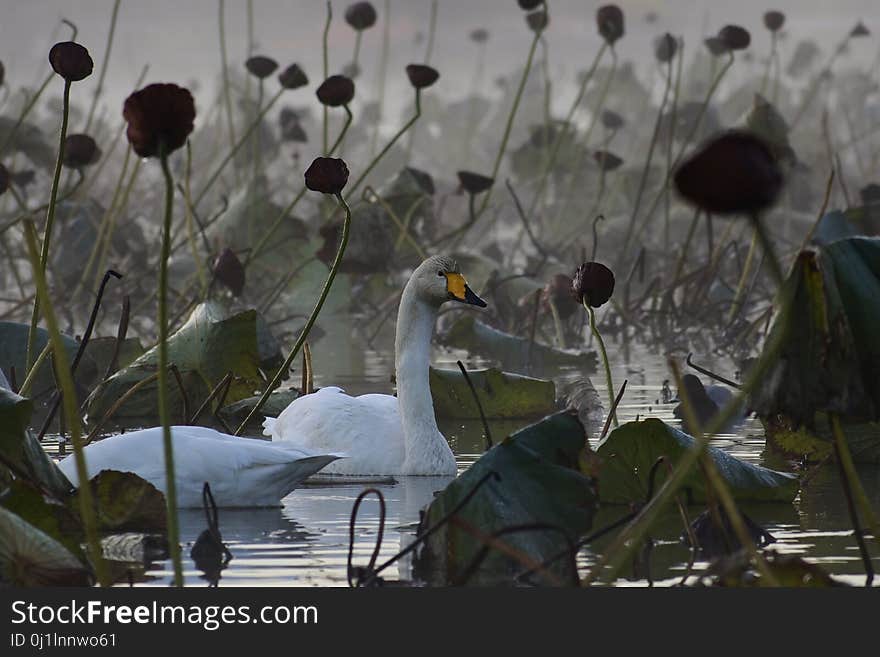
(242, 472)
(383, 434)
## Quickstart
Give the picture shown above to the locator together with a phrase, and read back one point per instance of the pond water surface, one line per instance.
(305, 542)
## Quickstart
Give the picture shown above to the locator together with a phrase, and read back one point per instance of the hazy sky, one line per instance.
(179, 38)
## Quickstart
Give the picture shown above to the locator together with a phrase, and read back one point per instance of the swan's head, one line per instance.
(438, 280)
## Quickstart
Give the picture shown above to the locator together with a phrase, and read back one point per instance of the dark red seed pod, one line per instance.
(261, 67)
(665, 48)
(774, 20)
(593, 284)
(159, 114)
(474, 183)
(558, 290)
(735, 37)
(716, 46)
(421, 76)
(361, 16)
(734, 173)
(860, 30)
(80, 151)
(538, 20)
(71, 61)
(611, 120)
(480, 35)
(229, 271)
(528, 5)
(609, 20)
(607, 161)
(327, 175)
(335, 91)
(293, 77)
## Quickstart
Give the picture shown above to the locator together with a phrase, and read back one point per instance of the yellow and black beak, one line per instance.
(458, 290)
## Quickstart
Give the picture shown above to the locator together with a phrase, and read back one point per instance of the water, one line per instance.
(306, 541)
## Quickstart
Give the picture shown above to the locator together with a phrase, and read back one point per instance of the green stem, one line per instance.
(744, 276)
(511, 116)
(334, 268)
(717, 484)
(563, 132)
(769, 250)
(326, 66)
(224, 60)
(595, 331)
(390, 143)
(236, 147)
(645, 170)
(341, 137)
(104, 64)
(621, 549)
(852, 475)
(50, 220)
(74, 422)
(164, 411)
(383, 71)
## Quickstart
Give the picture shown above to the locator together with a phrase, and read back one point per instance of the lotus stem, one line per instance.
(164, 411)
(50, 220)
(390, 143)
(560, 138)
(608, 382)
(238, 144)
(644, 178)
(738, 299)
(383, 72)
(104, 64)
(621, 549)
(334, 268)
(511, 116)
(852, 476)
(326, 65)
(716, 483)
(65, 381)
(224, 61)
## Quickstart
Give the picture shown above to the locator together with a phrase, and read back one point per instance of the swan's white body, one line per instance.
(382, 434)
(242, 472)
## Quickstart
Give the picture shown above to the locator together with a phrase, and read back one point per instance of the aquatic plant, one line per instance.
(160, 117)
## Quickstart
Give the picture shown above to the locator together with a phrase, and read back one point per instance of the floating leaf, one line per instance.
(30, 557)
(502, 394)
(204, 349)
(55, 519)
(21, 452)
(515, 354)
(629, 451)
(539, 482)
(827, 357)
(126, 502)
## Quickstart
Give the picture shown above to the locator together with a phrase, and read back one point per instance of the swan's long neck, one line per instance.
(412, 349)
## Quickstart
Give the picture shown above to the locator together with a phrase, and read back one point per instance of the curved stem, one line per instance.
(383, 71)
(341, 137)
(511, 116)
(164, 411)
(644, 179)
(604, 354)
(334, 268)
(235, 148)
(563, 132)
(50, 220)
(390, 143)
(65, 381)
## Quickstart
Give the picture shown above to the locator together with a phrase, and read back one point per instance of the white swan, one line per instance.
(243, 472)
(381, 434)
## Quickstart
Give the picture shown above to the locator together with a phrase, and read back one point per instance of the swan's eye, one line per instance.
(441, 273)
